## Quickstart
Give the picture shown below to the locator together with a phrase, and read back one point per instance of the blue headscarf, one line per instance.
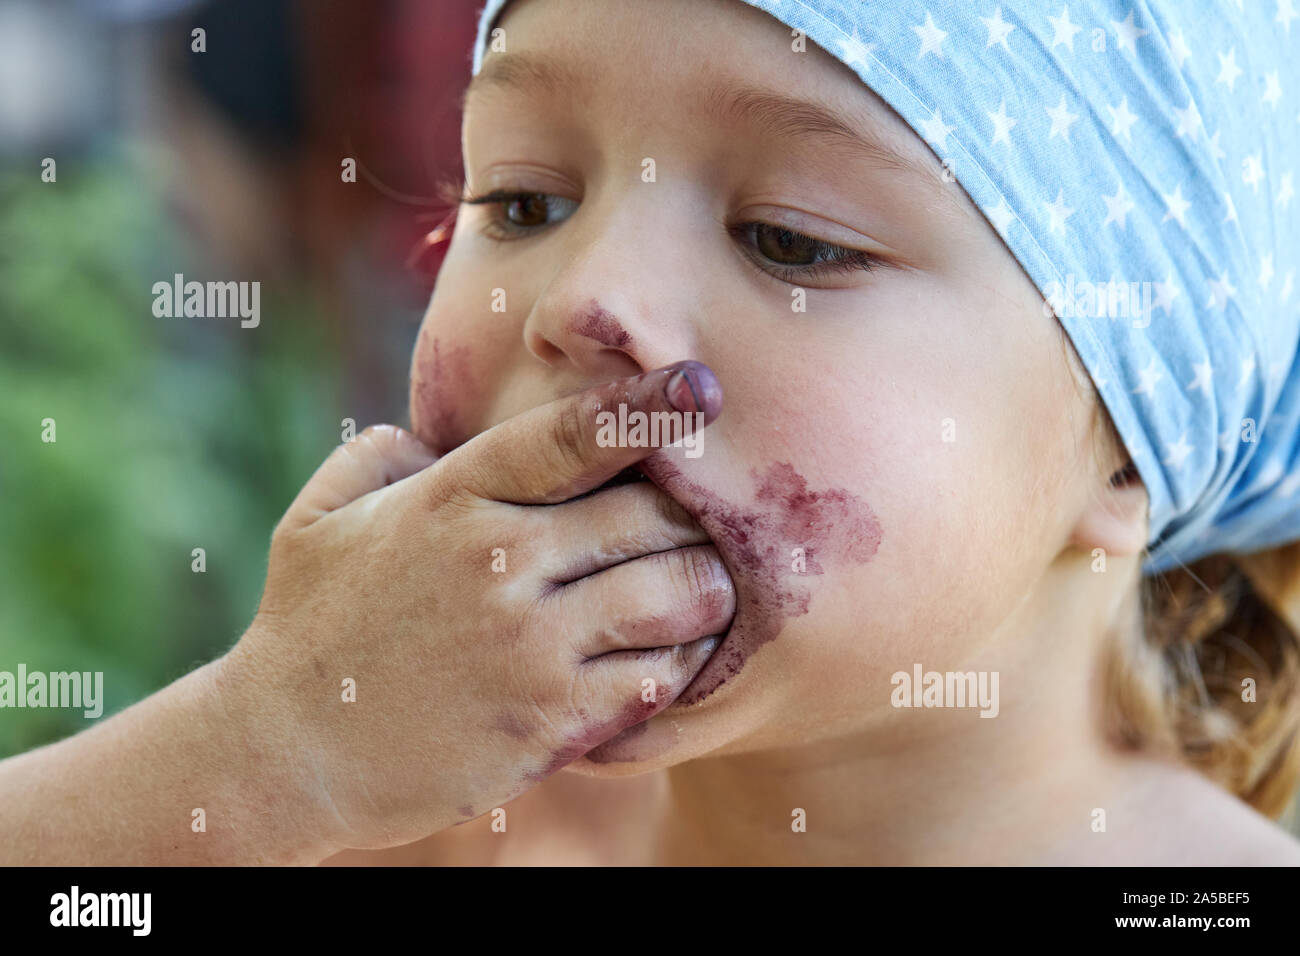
(1140, 161)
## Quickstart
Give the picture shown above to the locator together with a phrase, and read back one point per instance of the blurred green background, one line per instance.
(181, 433)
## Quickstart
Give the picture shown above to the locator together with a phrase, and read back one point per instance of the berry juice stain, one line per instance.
(758, 545)
(439, 383)
(601, 326)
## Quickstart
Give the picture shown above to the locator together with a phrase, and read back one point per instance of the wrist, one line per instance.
(285, 815)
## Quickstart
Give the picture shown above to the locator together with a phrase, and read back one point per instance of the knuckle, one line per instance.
(665, 665)
(285, 538)
(442, 491)
(698, 575)
(569, 436)
(678, 666)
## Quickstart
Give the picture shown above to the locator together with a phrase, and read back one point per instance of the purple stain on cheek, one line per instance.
(770, 548)
(600, 326)
(440, 383)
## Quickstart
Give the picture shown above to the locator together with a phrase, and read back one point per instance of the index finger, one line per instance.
(569, 446)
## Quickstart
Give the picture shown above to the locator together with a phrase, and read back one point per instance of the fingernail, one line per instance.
(694, 388)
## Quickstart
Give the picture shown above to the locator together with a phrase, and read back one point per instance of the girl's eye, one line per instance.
(796, 255)
(785, 247)
(784, 253)
(519, 213)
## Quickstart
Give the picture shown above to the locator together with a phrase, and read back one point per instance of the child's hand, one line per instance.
(469, 601)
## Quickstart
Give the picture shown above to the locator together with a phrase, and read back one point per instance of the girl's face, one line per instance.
(902, 453)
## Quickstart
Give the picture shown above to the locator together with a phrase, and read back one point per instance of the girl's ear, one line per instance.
(1116, 519)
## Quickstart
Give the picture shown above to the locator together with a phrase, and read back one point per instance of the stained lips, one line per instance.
(770, 547)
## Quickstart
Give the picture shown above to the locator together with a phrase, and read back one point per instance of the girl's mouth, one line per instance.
(771, 547)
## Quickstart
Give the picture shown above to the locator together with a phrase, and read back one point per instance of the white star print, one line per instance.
(1127, 33)
(1001, 217)
(1286, 285)
(1221, 290)
(1272, 89)
(1118, 207)
(1002, 124)
(1285, 14)
(1286, 191)
(1062, 120)
(1228, 439)
(1122, 119)
(1065, 30)
(1178, 452)
(1289, 487)
(998, 30)
(936, 131)
(1202, 380)
(1166, 293)
(1189, 120)
(1228, 69)
(1178, 48)
(1265, 270)
(1151, 376)
(1231, 215)
(1178, 206)
(1253, 170)
(1058, 212)
(931, 37)
(853, 50)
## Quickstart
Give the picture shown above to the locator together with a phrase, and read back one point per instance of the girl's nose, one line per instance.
(617, 304)
(589, 336)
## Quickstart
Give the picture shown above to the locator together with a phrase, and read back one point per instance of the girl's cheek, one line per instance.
(440, 382)
(462, 347)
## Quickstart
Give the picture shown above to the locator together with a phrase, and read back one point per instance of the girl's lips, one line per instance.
(770, 547)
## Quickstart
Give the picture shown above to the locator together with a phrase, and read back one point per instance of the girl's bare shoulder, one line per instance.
(1187, 819)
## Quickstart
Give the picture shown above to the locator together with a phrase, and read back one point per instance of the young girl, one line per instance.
(952, 574)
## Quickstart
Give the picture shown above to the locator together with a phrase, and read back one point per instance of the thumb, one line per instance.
(374, 459)
(555, 452)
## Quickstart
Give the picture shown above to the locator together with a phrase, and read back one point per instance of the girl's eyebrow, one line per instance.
(779, 113)
(526, 73)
